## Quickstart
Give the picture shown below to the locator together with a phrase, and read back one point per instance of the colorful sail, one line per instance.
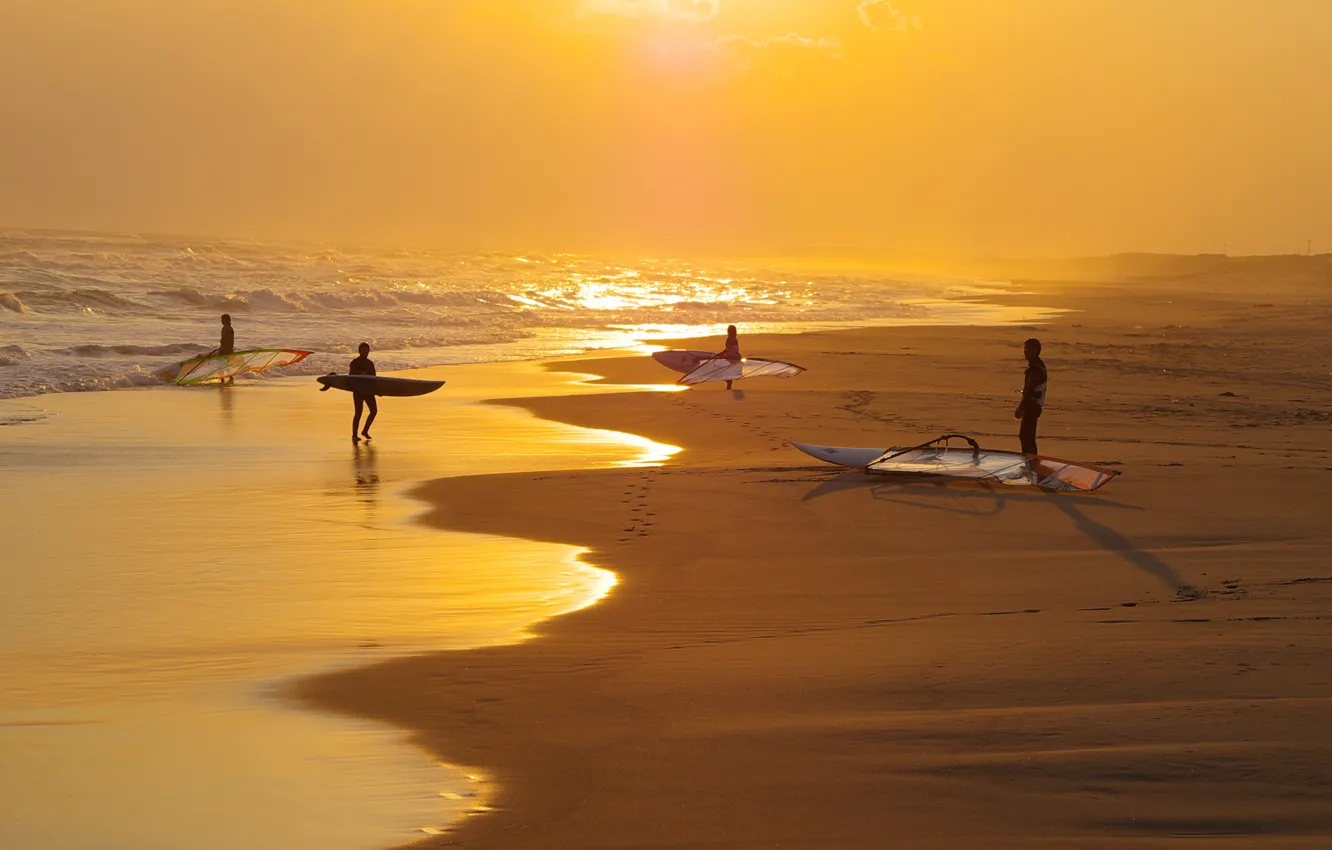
(721, 369)
(973, 462)
(216, 367)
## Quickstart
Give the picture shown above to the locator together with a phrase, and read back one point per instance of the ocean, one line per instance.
(82, 312)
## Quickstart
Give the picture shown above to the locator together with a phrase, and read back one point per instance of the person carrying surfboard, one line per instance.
(1033, 395)
(227, 345)
(732, 350)
(363, 365)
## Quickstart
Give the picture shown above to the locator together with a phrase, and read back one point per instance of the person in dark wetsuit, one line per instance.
(1033, 395)
(228, 343)
(732, 350)
(363, 365)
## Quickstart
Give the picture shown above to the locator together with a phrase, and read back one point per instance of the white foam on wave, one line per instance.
(100, 311)
(12, 355)
(95, 350)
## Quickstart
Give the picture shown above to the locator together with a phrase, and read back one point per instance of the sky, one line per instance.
(922, 128)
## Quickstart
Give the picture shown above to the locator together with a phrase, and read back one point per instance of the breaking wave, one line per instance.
(104, 311)
(93, 350)
(12, 355)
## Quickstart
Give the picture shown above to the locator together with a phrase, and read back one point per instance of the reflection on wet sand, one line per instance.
(367, 474)
(227, 400)
(217, 559)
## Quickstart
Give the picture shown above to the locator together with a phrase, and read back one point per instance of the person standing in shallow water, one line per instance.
(227, 344)
(732, 350)
(363, 365)
(1033, 395)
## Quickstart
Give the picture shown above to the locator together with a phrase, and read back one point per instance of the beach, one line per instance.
(174, 556)
(797, 657)
(177, 559)
(556, 584)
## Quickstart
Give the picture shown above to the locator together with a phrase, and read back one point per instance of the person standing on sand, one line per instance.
(227, 345)
(363, 365)
(1033, 395)
(732, 350)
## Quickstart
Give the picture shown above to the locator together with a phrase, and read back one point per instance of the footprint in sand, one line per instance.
(637, 524)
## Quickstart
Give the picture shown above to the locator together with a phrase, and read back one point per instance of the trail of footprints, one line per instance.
(635, 496)
(777, 442)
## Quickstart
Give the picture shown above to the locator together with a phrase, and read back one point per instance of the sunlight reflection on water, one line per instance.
(227, 540)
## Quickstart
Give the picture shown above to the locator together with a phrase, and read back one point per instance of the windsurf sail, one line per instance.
(973, 462)
(721, 369)
(215, 367)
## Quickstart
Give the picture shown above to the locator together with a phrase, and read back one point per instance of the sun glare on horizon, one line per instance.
(680, 127)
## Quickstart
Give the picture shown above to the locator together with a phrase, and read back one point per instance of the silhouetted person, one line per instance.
(1033, 395)
(228, 343)
(363, 365)
(732, 350)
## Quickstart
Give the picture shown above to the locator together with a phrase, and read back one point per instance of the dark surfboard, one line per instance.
(379, 384)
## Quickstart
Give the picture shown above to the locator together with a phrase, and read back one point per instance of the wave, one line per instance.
(12, 355)
(347, 300)
(94, 350)
(38, 384)
(53, 300)
(68, 298)
(21, 259)
(267, 299)
(186, 296)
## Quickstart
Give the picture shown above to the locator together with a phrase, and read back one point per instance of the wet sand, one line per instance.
(797, 658)
(172, 556)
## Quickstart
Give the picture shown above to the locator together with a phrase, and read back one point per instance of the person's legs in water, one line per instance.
(373, 407)
(1027, 433)
(359, 401)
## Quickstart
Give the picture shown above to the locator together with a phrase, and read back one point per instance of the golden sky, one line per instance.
(908, 127)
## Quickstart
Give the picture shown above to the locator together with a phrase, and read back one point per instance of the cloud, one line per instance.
(829, 46)
(882, 16)
(676, 10)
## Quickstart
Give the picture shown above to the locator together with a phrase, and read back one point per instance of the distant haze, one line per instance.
(916, 127)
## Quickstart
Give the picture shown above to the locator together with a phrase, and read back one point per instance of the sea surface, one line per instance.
(95, 312)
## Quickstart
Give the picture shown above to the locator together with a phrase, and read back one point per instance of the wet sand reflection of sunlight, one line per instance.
(647, 452)
(217, 559)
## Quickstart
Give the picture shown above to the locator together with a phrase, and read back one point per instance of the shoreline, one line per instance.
(794, 658)
(231, 540)
(48, 355)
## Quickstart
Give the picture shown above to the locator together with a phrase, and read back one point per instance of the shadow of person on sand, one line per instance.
(1112, 541)
(982, 499)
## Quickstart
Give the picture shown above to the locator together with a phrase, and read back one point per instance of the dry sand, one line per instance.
(800, 659)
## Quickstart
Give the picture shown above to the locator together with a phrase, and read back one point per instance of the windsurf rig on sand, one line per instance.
(937, 458)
